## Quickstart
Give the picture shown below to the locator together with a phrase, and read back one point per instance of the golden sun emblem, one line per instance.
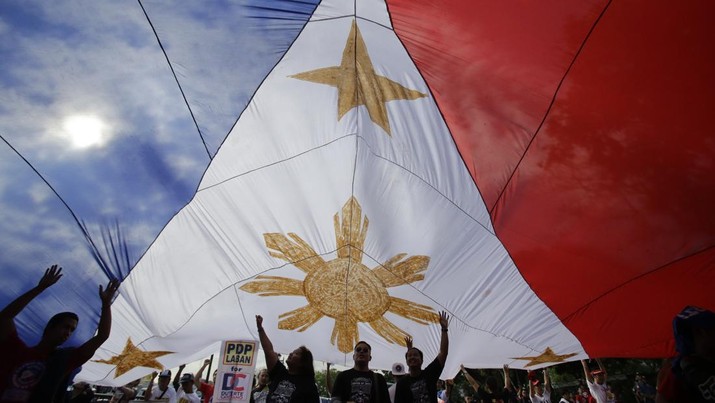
(344, 288)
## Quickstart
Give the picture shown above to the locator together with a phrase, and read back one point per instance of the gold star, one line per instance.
(358, 83)
(133, 357)
(547, 356)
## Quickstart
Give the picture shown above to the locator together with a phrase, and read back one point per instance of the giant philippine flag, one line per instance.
(542, 172)
(339, 209)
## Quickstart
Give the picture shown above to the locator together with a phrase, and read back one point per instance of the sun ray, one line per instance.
(297, 252)
(270, 286)
(411, 310)
(325, 75)
(395, 272)
(349, 235)
(389, 331)
(299, 319)
(346, 333)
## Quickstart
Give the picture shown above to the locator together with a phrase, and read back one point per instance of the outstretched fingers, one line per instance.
(444, 319)
(108, 294)
(51, 276)
(408, 341)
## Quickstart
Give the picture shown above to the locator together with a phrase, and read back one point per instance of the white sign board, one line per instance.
(236, 366)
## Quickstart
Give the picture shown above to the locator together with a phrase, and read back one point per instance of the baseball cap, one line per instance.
(398, 369)
(165, 374)
(187, 378)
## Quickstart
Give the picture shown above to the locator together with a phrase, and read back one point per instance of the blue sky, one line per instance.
(87, 98)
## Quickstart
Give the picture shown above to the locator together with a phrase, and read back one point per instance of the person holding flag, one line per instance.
(40, 372)
(421, 385)
(596, 381)
(295, 384)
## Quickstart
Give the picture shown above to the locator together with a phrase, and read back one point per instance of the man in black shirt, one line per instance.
(420, 386)
(359, 384)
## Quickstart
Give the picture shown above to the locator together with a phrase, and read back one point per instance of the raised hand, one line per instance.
(408, 341)
(108, 295)
(51, 276)
(259, 322)
(443, 319)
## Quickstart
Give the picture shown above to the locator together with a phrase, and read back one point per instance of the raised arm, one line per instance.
(602, 368)
(328, 379)
(532, 390)
(470, 378)
(7, 315)
(444, 341)
(177, 378)
(86, 350)
(586, 372)
(507, 378)
(200, 372)
(147, 393)
(266, 345)
(547, 381)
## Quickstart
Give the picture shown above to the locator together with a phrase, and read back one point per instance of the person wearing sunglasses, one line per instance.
(359, 384)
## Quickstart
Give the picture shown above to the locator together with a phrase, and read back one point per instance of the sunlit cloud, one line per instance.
(85, 131)
(90, 105)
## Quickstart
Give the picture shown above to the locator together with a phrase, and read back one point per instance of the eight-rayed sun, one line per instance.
(344, 288)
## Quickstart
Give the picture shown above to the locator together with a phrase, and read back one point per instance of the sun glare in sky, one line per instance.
(85, 131)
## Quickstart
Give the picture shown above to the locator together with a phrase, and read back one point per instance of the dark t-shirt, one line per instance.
(419, 389)
(23, 369)
(692, 379)
(287, 388)
(360, 387)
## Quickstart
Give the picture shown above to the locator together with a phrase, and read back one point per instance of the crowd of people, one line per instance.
(42, 373)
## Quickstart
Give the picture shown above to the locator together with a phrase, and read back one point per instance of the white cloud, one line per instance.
(39, 193)
(102, 59)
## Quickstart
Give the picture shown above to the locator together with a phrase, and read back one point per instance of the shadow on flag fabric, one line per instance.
(543, 173)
